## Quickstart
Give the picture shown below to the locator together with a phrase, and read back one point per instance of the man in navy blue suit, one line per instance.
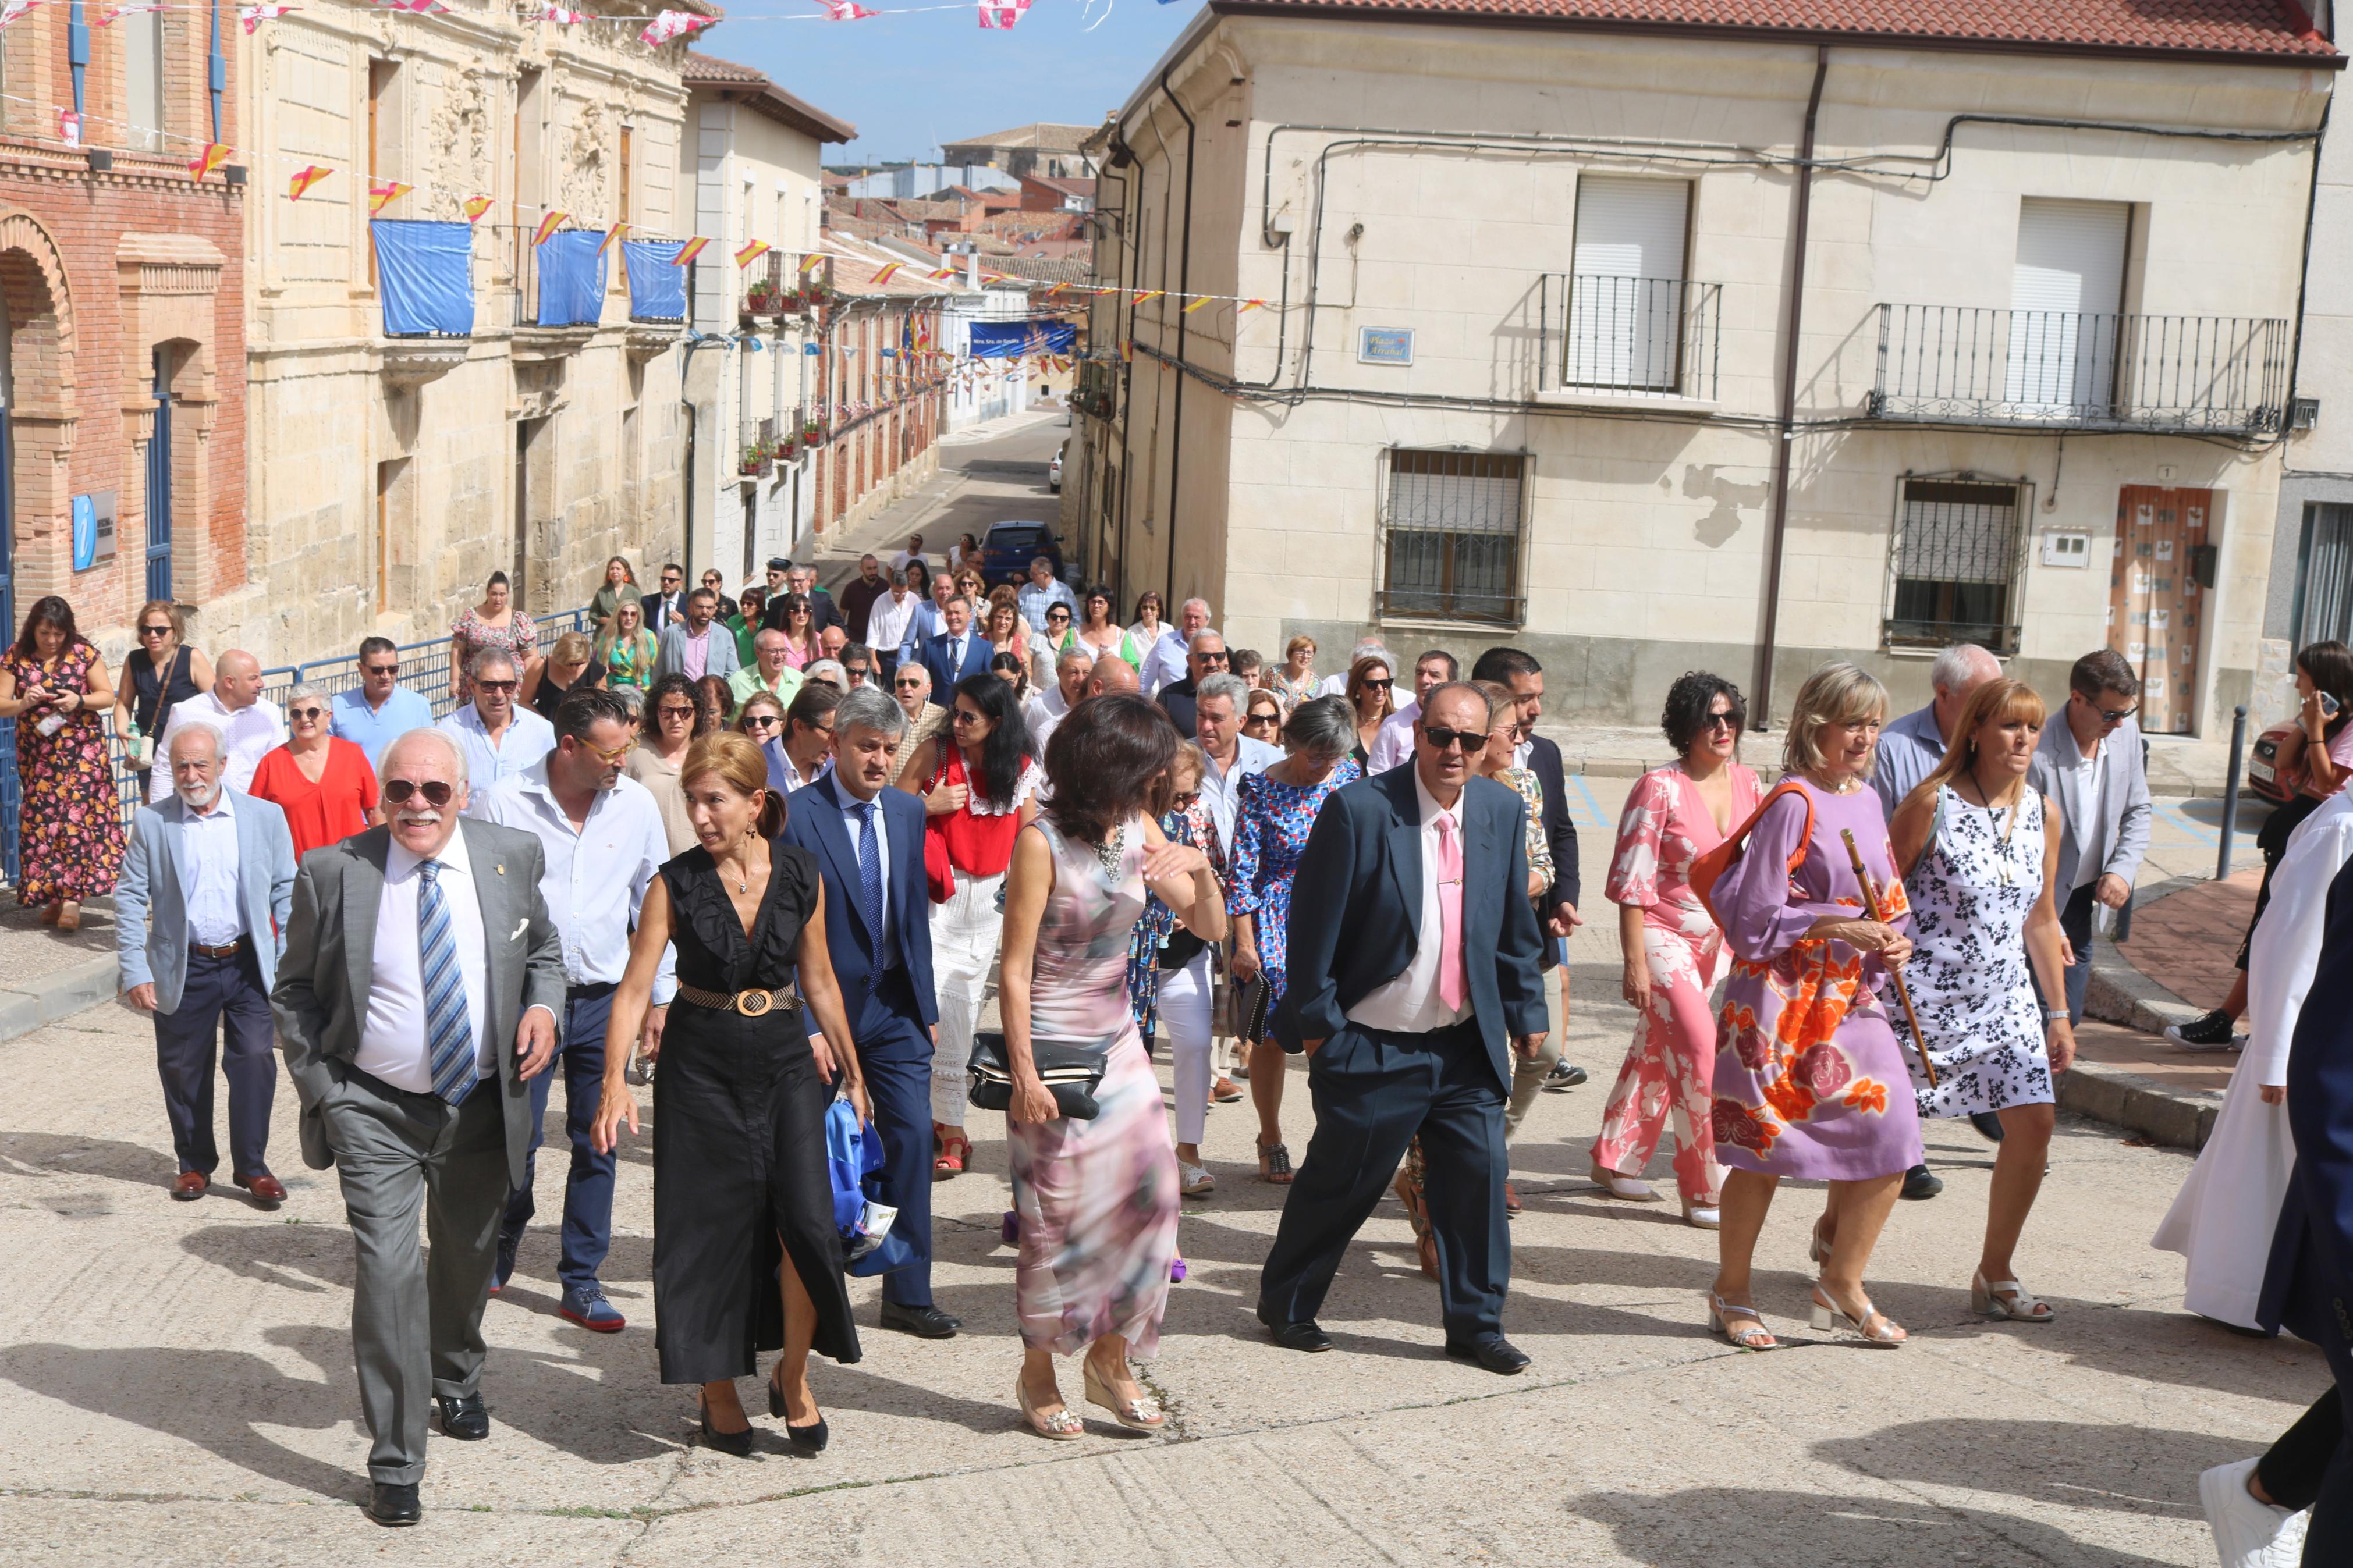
(958, 651)
(1413, 958)
(868, 843)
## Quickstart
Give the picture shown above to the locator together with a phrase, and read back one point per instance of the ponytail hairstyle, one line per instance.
(737, 762)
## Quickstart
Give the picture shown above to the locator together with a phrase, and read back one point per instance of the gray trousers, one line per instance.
(417, 1317)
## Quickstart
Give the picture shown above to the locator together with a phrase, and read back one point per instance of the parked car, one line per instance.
(1008, 549)
(1054, 469)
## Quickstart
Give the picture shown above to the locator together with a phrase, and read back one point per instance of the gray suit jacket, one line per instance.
(151, 901)
(320, 999)
(2118, 822)
(720, 658)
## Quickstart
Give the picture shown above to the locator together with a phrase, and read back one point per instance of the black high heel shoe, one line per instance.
(736, 1443)
(810, 1439)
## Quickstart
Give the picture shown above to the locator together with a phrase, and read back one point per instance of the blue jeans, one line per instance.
(589, 1186)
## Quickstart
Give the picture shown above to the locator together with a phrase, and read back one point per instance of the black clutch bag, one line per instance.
(1072, 1072)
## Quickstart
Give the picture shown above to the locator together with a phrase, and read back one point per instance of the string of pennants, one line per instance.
(663, 28)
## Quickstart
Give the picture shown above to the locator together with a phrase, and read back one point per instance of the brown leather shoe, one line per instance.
(267, 1191)
(189, 1185)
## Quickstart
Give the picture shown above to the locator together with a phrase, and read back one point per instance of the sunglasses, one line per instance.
(154, 631)
(2109, 715)
(1469, 740)
(309, 712)
(1267, 719)
(965, 716)
(496, 685)
(1210, 657)
(669, 711)
(762, 721)
(380, 670)
(436, 792)
(1719, 721)
(1379, 685)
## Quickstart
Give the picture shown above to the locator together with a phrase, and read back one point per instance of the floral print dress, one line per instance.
(518, 637)
(1271, 826)
(1670, 1067)
(70, 825)
(1971, 984)
(1810, 1081)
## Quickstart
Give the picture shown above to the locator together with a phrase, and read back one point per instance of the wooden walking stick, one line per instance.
(1903, 993)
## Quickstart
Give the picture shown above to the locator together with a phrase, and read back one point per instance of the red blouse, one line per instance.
(323, 813)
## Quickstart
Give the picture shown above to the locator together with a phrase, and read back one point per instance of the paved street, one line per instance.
(175, 1380)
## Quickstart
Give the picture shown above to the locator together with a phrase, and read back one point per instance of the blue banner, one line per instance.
(424, 273)
(572, 279)
(656, 284)
(1013, 340)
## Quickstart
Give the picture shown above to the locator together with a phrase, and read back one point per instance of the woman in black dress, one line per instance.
(742, 1201)
(161, 672)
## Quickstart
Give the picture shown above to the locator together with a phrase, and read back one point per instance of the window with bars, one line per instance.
(1453, 533)
(1955, 564)
(2323, 582)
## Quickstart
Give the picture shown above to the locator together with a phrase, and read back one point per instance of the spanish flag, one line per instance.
(884, 275)
(612, 238)
(688, 251)
(812, 261)
(1204, 299)
(476, 206)
(1248, 306)
(390, 191)
(304, 178)
(211, 158)
(1148, 295)
(548, 225)
(751, 252)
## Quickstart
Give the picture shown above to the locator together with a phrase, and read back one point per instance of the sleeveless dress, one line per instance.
(1970, 982)
(154, 693)
(739, 1136)
(1097, 1199)
(70, 838)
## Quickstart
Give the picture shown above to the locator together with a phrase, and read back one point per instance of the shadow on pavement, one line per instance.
(1732, 1524)
(68, 1154)
(2077, 1464)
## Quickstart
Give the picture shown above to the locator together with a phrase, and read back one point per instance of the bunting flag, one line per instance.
(671, 25)
(422, 8)
(548, 226)
(211, 158)
(751, 253)
(1128, 351)
(562, 18)
(475, 207)
(846, 11)
(1148, 295)
(612, 238)
(688, 251)
(942, 272)
(1001, 14)
(310, 174)
(122, 11)
(253, 16)
(1248, 306)
(1204, 299)
(884, 275)
(390, 191)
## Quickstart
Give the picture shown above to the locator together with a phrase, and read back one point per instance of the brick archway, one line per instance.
(43, 404)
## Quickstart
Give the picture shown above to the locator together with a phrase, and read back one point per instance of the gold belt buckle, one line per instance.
(752, 1003)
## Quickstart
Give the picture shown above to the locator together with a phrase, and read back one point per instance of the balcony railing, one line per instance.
(1949, 364)
(1644, 336)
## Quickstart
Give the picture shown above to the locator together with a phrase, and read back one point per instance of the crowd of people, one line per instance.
(770, 853)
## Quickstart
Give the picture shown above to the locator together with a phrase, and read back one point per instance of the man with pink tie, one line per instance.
(1414, 976)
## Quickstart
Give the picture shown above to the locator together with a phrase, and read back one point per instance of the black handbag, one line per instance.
(1072, 1072)
(1246, 1009)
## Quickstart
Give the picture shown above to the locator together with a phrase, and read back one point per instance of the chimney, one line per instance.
(972, 267)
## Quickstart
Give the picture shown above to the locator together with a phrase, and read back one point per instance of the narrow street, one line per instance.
(992, 473)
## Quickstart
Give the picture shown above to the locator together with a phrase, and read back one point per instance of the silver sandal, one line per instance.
(1986, 1299)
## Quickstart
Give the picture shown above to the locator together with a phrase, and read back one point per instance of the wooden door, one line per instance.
(2156, 611)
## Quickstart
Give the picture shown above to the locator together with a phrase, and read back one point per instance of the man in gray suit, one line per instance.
(199, 921)
(2089, 761)
(698, 646)
(418, 993)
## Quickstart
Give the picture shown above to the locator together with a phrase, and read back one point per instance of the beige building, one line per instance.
(1056, 151)
(391, 474)
(1682, 343)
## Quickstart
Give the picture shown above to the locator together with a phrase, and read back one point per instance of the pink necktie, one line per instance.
(1449, 913)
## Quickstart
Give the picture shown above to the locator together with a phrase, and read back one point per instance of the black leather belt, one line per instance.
(231, 951)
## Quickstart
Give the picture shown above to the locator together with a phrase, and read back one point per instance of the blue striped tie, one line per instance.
(870, 880)
(445, 1027)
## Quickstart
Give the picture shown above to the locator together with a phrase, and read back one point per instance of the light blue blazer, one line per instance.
(150, 900)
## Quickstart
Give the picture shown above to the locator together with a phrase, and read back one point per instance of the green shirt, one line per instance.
(746, 684)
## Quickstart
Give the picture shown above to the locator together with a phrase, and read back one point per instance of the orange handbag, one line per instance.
(1705, 869)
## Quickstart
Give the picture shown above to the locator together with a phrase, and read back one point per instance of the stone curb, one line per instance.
(2176, 1118)
(57, 995)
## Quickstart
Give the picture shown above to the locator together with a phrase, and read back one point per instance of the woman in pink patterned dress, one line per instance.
(1674, 951)
(1097, 1196)
(69, 829)
(495, 623)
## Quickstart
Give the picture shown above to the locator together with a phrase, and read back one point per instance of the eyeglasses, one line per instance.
(155, 631)
(671, 710)
(496, 685)
(1442, 738)
(311, 713)
(436, 792)
(380, 668)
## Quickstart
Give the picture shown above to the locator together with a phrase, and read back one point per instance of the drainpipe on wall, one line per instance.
(1787, 432)
(1184, 290)
(216, 70)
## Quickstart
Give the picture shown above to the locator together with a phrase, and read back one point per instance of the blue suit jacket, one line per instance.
(2309, 1285)
(977, 655)
(150, 900)
(813, 821)
(1356, 911)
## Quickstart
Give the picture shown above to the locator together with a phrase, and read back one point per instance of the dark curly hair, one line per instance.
(1105, 760)
(1688, 700)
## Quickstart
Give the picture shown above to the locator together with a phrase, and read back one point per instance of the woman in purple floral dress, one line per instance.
(70, 824)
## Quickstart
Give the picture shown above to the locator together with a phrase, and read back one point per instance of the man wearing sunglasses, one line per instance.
(417, 999)
(497, 737)
(379, 711)
(1204, 656)
(668, 605)
(1394, 744)
(1413, 981)
(602, 837)
(1170, 659)
(2094, 765)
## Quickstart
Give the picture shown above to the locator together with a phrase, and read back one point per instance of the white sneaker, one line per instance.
(2248, 1534)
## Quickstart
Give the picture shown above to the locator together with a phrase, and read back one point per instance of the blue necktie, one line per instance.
(445, 1028)
(869, 882)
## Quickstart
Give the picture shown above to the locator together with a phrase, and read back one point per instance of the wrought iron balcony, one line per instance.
(1641, 337)
(1949, 364)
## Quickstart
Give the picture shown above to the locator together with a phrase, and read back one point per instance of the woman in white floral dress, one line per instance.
(1977, 864)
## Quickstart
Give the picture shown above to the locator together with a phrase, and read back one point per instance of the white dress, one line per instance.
(2222, 1218)
(1971, 893)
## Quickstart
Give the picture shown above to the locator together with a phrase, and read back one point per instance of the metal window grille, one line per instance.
(2324, 584)
(1453, 536)
(1954, 563)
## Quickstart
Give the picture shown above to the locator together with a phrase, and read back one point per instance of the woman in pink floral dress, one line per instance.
(70, 825)
(1674, 950)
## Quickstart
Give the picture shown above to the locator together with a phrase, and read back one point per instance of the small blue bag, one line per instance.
(853, 1165)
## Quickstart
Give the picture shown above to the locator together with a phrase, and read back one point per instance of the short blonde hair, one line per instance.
(1834, 694)
(572, 648)
(1301, 641)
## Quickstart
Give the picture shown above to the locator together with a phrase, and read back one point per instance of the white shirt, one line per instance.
(1164, 662)
(395, 1045)
(1221, 792)
(2091, 838)
(528, 738)
(595, 878)
(886, 621)
(956, 646)
(899, 562)
(1394, 744)
(1333, 685)
(1410, 1005)
(215, 914)
(247, 736)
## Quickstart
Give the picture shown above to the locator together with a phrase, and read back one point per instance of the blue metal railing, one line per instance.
(424, 669)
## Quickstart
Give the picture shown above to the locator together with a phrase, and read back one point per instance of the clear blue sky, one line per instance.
(909, 81)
